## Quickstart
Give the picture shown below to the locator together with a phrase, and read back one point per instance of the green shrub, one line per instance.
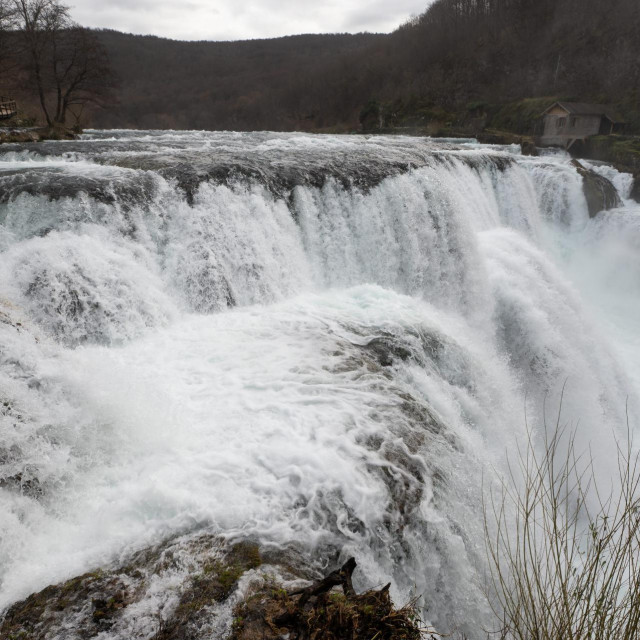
(519, 117)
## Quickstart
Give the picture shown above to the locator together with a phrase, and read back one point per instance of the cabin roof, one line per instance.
(586, 109)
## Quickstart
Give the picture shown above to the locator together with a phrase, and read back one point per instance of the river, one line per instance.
(332, 340)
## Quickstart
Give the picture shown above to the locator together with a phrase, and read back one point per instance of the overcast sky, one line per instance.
(242, 19)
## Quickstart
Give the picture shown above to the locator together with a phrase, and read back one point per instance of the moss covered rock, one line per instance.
(200, 586)
(180, 589)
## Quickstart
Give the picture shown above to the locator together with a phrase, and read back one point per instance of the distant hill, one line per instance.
(459, 60)
(278, 84)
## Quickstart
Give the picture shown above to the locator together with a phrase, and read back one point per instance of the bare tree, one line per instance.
(7, 23)
(67, 66)
(81, 72)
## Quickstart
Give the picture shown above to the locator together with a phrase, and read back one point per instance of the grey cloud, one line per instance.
(240, 19)
(376, 16)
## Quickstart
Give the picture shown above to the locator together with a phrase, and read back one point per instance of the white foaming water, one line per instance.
(604, 260)
(623, 182)
(333, 362)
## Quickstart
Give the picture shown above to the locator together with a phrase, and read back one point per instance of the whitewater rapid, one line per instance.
(326, 340)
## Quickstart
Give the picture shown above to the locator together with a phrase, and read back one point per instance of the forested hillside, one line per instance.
(461, 59)
(278, 84)
(467, 53)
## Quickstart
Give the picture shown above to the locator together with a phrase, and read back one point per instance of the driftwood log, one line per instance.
(339, 577)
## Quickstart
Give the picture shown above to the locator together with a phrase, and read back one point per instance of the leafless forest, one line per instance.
(458, 57)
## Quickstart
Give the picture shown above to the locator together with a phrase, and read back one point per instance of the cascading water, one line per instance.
(323, 340)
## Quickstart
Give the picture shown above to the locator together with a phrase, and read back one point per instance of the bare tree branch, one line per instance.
(66, 63)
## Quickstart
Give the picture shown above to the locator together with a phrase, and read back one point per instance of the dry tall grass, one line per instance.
(564, 553)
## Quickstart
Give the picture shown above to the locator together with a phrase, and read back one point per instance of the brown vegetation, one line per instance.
(320, 612)
(564, 551)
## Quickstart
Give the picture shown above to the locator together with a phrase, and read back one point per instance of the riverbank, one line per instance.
(35, 134)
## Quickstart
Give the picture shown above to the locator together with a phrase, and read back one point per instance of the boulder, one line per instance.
(528, 147)
(600, 193)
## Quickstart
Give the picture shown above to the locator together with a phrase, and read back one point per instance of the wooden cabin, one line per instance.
(8, 108)
(567, 122)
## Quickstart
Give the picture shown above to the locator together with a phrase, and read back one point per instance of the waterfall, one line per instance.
(326, 340)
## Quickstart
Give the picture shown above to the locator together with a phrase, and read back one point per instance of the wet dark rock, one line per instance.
(104, 610)
(208, 290)
(22, 483)
(280, 171)
(285, 600)
(214, 584)
(56, 184)
(415, 426)
(635, 189)
(481, 162)
(48, 612)
(204, 572)
(600, 193)
(279, 179)
(386, 350)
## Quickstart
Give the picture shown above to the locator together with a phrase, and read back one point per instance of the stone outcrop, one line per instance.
(180, 590)
(200, 586)
(600, 193)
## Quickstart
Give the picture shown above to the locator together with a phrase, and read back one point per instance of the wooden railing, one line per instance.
(8, 108)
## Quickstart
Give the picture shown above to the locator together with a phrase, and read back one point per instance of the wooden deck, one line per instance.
(8, 108)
